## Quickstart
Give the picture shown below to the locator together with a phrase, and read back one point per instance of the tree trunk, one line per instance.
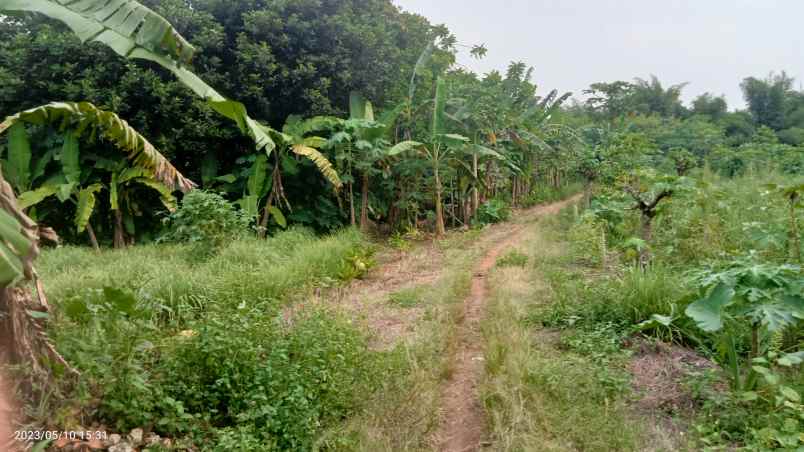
(119, 232)
(439, 211)
(351, 206)
(92, 238)
(475, 191)
(647, 235)
(795, 234)
(364, 194)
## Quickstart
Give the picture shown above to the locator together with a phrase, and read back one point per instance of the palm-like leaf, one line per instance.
(134, 31)
(439, 107)
(83, 116)
(86, 205)
(123, 25)
(321, 162)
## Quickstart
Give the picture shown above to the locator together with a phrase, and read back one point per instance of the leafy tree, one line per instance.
(650, 97)
(711, 106)
(766, 99)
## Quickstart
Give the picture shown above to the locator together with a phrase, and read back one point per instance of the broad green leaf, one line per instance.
(122, 300)
(71, 159)
(65, 191)
(791, 359)
(452, 140)
(790, 394)
(421, 62)
(85, 117)
(439, 105)
(249, 204)
(18, 165)
(256, 185)
(34, 197)
(10, 266)
(132, 173)
(774, 316)
(113, 192)
(388, 119)
(11, 232)
(165, 194)
(359, 107)
(320, 161)
(278, 216)
(486, 152)
(86, 205)
(707, 311)
(76, 309)
(403, 146)
(39, 315)
(123, 25)
(228, 178)
(41, 165)
(769, 377)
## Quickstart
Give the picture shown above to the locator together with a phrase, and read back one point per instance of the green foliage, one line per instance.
(168, 343)
(205, 220)
(512, 259)
(407, 298)
(493, 211)
(745, 290)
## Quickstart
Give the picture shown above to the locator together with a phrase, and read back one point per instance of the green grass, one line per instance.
(407, 297)
(543, 391)
(201, 351)
(512, 259)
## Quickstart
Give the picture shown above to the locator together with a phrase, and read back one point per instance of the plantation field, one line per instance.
(310, 226)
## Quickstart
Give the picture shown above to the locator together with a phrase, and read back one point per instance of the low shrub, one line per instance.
(207, 221)
(493, 211)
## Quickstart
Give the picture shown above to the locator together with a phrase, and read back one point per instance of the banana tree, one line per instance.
(295, 139)
(439, 146)
(80, 183)
(76, 120)
(85, 119)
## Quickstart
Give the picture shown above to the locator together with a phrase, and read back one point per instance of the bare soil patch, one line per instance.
(463, 424)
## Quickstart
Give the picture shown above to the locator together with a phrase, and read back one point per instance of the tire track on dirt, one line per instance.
(463, 423)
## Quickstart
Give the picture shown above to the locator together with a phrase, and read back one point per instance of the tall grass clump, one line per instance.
(202, 351)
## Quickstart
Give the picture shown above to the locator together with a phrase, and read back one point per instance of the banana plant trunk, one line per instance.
(795, 234)
(364, 195)
(351, 205)
(439, 211)
(119, 232)
(647, 236)
(475, 191)
(93, 239)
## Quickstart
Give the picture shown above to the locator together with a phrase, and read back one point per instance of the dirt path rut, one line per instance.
(463, 425)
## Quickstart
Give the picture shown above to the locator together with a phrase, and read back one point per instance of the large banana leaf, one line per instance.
(439, 106)
(86, 205)
(424, 58)
(320, 161)
(71, 158)
(83, 116)
(134, 31)
(123, 25)
(18, 165)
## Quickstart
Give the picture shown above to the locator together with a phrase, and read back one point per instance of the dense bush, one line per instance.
(493, 211)
(207, 221)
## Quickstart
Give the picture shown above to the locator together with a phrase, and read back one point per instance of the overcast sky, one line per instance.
(712, 44)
